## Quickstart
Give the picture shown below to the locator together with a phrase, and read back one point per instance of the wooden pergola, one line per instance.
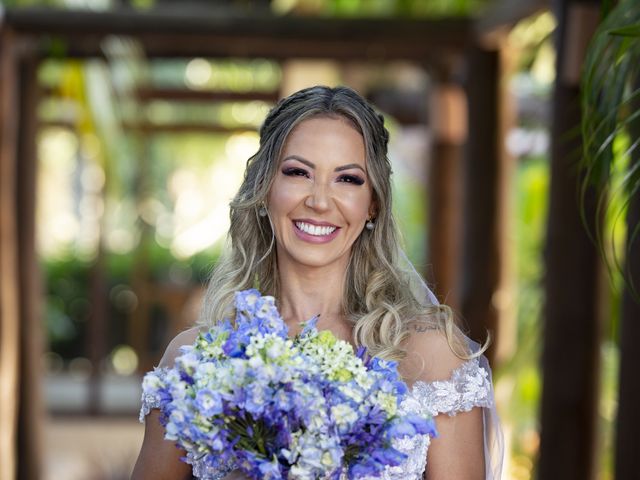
(470, 175)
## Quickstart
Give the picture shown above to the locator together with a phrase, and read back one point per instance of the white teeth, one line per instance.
(315, 230)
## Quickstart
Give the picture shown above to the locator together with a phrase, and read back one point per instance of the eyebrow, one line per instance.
(312, 165)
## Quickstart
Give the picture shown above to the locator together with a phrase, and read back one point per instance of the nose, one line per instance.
(318, 198)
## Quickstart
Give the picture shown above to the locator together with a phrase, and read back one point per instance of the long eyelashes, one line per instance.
(294, 171)
(356, 180)
(299, 172)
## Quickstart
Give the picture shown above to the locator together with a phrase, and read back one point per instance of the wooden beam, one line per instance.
(9, 293)
(571, 355)
(150, 128)
(31, 415)
(147, 94)
(180, 94)
(484, 285)
(448, 123)
(582, 21)
(232, 34)
(97, 339)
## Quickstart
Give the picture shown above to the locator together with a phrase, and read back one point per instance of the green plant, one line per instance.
(611, 114)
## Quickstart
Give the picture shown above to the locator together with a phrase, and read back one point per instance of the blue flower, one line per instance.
(245, 301)
(270, 470)
(234, 346)
(402, 428)
(309, 326)
(244, 395)
(209, 402)
(388, 456)
(257, 397)
(424, 426)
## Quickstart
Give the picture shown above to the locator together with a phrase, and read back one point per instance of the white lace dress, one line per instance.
(469, 386)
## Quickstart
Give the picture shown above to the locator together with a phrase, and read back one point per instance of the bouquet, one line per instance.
(247, 396)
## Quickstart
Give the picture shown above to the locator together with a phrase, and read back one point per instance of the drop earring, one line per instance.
(369, 225)
(262, 211)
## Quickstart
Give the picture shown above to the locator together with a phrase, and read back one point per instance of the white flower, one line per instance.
(151, 381)
(256, 361)
(343, 414)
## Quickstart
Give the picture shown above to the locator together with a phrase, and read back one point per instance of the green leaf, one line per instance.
(610, 112)
(629, 31)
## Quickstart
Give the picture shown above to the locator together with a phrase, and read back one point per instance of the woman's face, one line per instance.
(321, 196)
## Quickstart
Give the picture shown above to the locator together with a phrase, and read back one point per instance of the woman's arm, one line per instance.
(159, 459)
(458, 451)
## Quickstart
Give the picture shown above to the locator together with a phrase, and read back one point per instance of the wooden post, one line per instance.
(485, 293)
(570, 359)
(9, 288)
(146, 342)
(30, 418)
(97, 334)
(448, 123)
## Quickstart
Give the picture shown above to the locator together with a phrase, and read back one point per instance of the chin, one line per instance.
(314, 258)
(315, 261)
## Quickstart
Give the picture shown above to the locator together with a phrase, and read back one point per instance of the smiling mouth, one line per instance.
(315, 230)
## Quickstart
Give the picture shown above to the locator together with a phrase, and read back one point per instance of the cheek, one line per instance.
(282, 199)
(358, 203)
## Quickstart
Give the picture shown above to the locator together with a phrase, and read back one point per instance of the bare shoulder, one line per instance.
(430, 356)
(173, 349)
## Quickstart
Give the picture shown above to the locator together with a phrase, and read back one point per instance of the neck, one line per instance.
(309, 291)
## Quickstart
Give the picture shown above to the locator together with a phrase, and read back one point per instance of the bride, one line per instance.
(312, 226)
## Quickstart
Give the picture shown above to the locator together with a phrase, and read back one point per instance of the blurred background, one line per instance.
(125, 126)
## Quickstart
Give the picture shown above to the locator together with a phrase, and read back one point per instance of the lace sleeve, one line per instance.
(149, 401)
(468, 387)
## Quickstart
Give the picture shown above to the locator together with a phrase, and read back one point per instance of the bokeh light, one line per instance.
(124, 360)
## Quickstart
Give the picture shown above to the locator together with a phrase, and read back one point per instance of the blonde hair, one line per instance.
(376, 298)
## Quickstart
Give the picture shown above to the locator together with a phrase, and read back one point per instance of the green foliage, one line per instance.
(68, 297)
(532, 39)
(67, 305)
(610, 106)
(382, 8)
(338, 8)
(31, 3)
(521, 373)
(403, 8)
(410, 213)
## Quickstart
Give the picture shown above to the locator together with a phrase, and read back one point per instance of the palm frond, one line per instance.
(628, 31)
(610, 112)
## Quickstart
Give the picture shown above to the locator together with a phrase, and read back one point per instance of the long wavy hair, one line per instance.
(377, 298)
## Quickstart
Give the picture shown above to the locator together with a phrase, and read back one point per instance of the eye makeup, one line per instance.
(294, 172)
(355, 179)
